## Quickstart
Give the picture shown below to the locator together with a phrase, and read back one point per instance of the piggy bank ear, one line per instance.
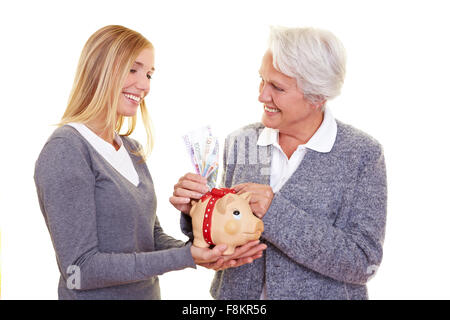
(194, 203)
(246, 196)
(224, 202)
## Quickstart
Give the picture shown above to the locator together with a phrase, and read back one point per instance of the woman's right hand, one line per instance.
(214, 258)
(205, 255)
(244, 254)
(190, 186)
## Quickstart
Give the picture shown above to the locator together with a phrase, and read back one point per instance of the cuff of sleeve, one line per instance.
(188, 255)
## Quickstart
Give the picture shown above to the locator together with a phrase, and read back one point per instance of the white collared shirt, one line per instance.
(282, 168)
(119, 159)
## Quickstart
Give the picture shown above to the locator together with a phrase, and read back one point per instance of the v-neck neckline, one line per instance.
(140, 183)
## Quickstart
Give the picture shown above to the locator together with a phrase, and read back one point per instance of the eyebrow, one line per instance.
(274, 82)
(142, 65)
(278, 84)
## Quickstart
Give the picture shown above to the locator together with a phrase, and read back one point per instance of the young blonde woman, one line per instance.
(94, 188)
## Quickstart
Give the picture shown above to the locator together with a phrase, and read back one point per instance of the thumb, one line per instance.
(218, 250)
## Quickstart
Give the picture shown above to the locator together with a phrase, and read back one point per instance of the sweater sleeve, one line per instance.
(65, 185)
(164, 241)
(351, 253)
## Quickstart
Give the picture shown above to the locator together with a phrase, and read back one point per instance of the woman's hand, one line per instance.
(205, 255)
(242, 255)
(190, 186)
(261, 196)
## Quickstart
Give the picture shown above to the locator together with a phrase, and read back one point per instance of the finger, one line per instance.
(259, 208)
(253, 251)
(217, 265)
(241, 262)
(194, 177)
(212, 255)
(256, 197)
(229, 264)
(247, 246)
(192, 186)
(183, 207)
(179, 200)
(209, 265)
(220, 266)
(241, 250)
(186, 193)
(240, 187)
(205, 265)
(259, 214)
(249, 187)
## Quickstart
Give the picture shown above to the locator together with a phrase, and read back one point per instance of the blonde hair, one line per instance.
(104, 64)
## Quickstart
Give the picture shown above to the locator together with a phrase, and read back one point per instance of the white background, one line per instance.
(207, 59)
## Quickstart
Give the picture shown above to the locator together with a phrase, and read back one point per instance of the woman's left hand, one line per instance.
(261, 196)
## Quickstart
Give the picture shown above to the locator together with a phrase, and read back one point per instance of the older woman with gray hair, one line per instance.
(318, 184)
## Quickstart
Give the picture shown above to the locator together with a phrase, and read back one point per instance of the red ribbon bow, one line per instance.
(214, 194)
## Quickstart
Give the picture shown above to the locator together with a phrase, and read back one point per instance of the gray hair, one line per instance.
(314, 57)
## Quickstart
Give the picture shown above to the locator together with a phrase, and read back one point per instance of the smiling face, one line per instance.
(285, 107)
(137, 83)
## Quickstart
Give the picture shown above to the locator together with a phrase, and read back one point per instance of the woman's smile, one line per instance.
(271, 110)
(133, 98)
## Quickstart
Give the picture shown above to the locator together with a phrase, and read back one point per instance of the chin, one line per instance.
(269, 124)
(128, 112)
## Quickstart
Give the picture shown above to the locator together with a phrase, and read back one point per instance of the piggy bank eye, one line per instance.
(236, 214)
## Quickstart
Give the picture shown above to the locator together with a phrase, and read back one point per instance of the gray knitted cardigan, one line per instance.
(324, 229)
(108, 241)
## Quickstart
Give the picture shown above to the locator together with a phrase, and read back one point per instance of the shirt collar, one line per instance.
(322, 140)
(99, 144)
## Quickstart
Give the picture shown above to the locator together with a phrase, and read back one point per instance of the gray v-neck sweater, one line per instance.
(105, 232)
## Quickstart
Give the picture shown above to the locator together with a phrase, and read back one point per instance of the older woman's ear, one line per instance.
(317, 102)
(320, 105)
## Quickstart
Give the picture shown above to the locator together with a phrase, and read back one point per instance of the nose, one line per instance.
(264, 93)
(143, 84)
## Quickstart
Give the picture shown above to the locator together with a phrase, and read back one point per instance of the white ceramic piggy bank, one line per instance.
(223, 217)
